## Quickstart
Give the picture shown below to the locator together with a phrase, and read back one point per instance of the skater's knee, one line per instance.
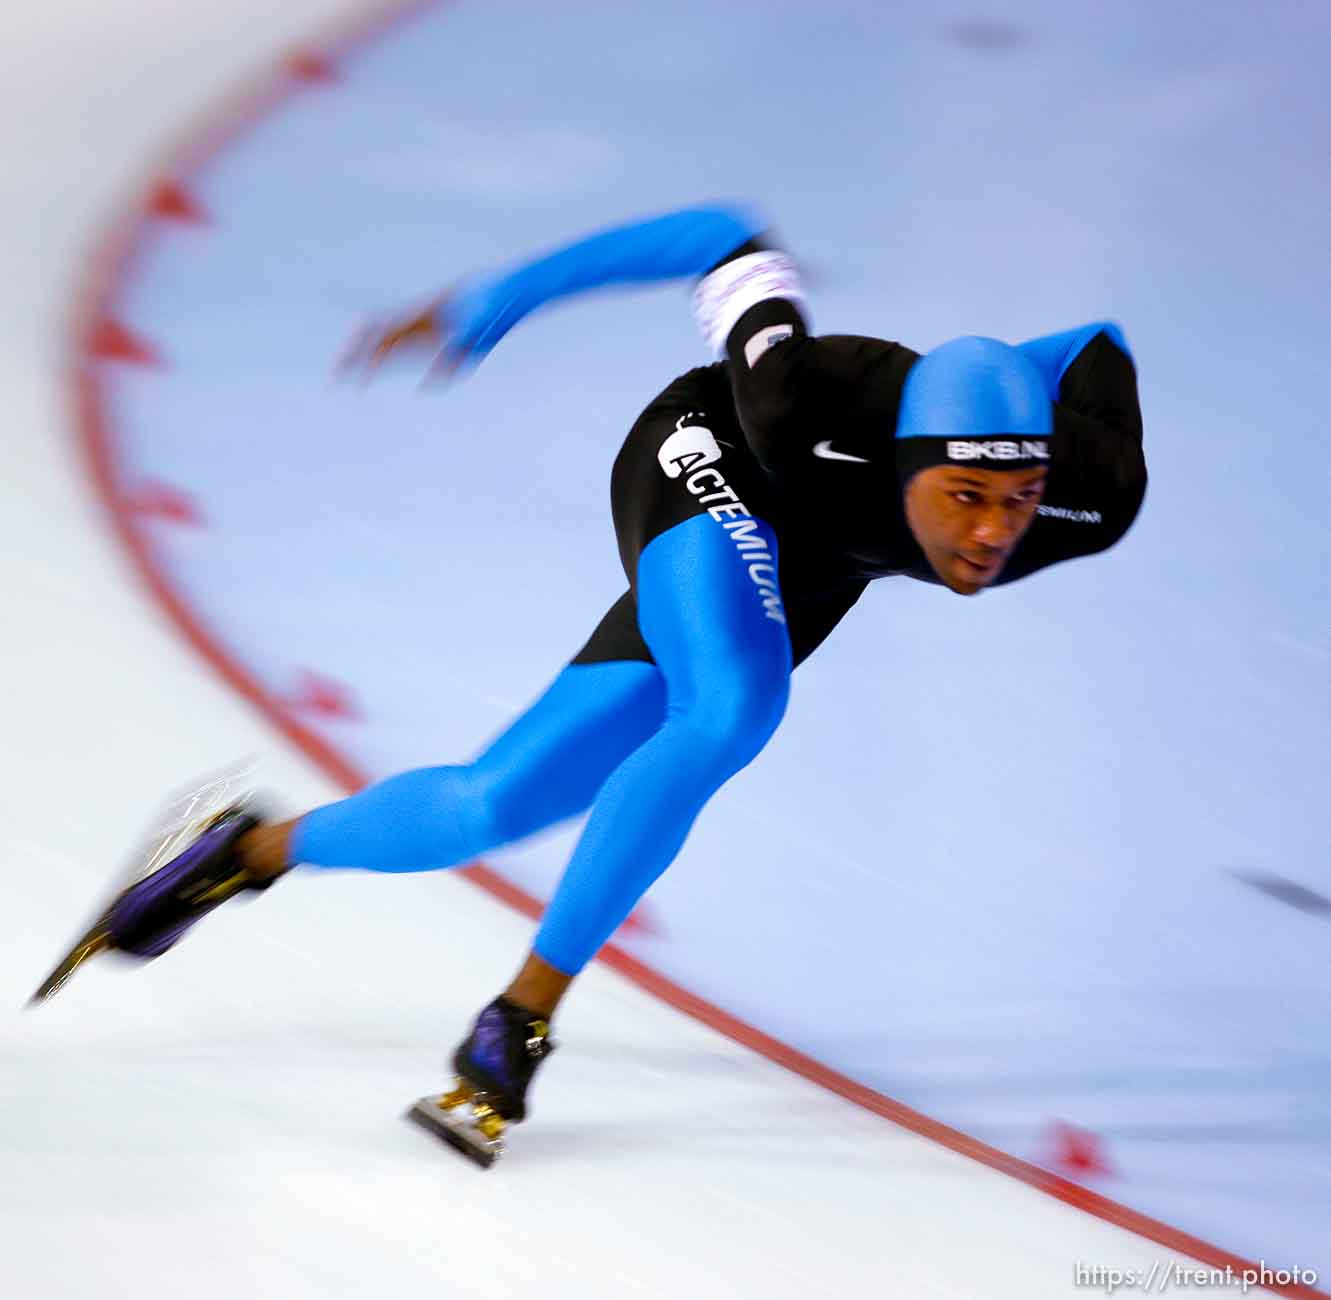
(729, 722)
(443, 800)
(470, 800)
(431, 817)
(496, 804)
(416, 821)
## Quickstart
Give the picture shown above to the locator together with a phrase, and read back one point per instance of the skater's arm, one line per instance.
(748, 300)
(1097, 476)
(750, 310)
(1090, 370)
(1098, 451)
(674, 246)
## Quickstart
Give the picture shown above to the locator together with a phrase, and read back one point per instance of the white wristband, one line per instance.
(722, 297)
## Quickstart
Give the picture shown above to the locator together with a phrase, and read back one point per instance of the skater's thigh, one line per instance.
(694, 518)
(591, 715)
(713, 618)
(686, 458)
(550, 762)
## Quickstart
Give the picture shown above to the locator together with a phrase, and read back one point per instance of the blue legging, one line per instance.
(644, 745)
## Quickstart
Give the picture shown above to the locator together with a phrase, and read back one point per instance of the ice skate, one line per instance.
(189, 868)
(495, 1064)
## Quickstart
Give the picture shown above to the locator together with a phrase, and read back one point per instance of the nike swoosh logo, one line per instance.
(823, 450)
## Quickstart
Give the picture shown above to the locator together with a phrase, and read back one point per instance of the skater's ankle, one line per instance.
(264, 850)
(538, 987)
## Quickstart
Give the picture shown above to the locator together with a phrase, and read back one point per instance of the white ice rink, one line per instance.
(223, 1123)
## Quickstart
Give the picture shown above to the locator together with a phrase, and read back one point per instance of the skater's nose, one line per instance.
(994, 527)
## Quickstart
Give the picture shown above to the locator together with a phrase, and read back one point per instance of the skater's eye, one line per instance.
(968, 498)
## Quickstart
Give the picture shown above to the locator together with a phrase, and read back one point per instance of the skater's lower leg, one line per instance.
(545, 768)
(727, 667)
(538, 987)
(727, 690)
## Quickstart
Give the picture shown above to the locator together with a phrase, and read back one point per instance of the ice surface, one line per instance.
(236, 1103)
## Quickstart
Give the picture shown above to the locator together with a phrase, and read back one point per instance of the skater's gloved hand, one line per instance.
(414, 332)
(455, 331)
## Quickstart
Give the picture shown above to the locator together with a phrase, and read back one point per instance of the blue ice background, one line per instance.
(993, 863)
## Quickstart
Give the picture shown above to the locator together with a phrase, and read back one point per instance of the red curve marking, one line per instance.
(325, 697)
(109, 268)
(162, 501)
(1078, 1152)
(173, 202)
(112, 341)
(307, 65)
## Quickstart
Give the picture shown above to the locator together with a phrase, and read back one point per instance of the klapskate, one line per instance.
(494, 1065)
(189, 867)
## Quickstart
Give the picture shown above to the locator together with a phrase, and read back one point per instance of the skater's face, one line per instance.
(969, 521)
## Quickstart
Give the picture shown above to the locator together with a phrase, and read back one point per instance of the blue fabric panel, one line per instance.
(974, 387)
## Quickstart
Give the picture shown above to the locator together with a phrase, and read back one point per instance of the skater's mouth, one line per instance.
(982, 568)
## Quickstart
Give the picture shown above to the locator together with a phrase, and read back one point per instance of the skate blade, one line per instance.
(184, 817)
(189, 812)
(460, 1125)
(96, 940)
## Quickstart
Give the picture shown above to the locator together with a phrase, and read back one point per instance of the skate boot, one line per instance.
(153, 913)
(494, 1064)
(200, 870)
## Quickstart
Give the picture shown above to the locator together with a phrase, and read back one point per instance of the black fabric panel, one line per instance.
(1098, 466)
(755, 245)
(1101, 384)
(813, 612)
(774, 394)
(616, 636)
(644, 500)
(811, 615)
(816, 589)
